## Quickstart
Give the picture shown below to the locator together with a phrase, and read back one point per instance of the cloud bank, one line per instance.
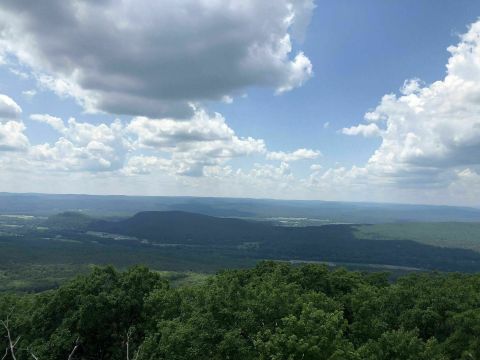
(154, 59)
(131, 57)
(430, 133)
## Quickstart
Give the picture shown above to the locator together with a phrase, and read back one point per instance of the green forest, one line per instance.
(272, 311)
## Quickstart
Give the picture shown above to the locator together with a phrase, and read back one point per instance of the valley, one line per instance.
(44, 251)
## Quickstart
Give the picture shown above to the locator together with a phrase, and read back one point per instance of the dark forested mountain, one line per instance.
(180, 227)
(335, 243)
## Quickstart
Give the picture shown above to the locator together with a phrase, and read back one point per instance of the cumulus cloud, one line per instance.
(187, 148)
(12, 137)
(204, 140)
(9, 109)
(300, 154)
(267, 171)
(81, 147)
(143, 165)
(430, 133)
(155, 58)
(370, 130)
(430, 140)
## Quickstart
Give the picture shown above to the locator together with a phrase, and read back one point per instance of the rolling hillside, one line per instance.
(178, 227)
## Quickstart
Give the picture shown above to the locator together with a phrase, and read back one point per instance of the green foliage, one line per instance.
(274, 311)
(313, 334)
(401, 345)
(99, 309)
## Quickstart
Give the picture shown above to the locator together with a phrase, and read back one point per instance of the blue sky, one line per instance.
(288, 131)
(360, 51)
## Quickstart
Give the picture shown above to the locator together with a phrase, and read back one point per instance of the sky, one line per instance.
(344, 100)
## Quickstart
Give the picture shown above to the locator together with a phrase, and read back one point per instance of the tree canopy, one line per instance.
(273, 311)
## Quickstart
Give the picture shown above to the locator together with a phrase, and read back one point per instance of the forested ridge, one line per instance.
(263, 240)
(272, 311)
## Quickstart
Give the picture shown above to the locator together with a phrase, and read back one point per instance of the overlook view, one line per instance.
(201, 179)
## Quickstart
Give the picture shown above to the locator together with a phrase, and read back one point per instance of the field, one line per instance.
(447, 234)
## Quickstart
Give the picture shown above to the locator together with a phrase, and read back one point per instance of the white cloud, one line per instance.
(300, 70)
(430, 140)
(316, 167)
(29, 94)
(465, 189)
(21, 74)
(156, 58)
(326, 124)
(186, 148)
(267, 171)
(227, 99)
(143, 165)
(370, 130)
(373, 116)
(53, 121)
(204, 140)
(411, 86)
(431, 132)
(81, 147)
(12, 137)
(9, 109)
(300, 154)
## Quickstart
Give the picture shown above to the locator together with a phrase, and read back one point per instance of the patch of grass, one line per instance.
(447, 234)
(35, 277)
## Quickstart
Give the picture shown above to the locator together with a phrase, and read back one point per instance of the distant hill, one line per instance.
(261, 240)
(69, 220)
(328, 211)
(188, 228)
